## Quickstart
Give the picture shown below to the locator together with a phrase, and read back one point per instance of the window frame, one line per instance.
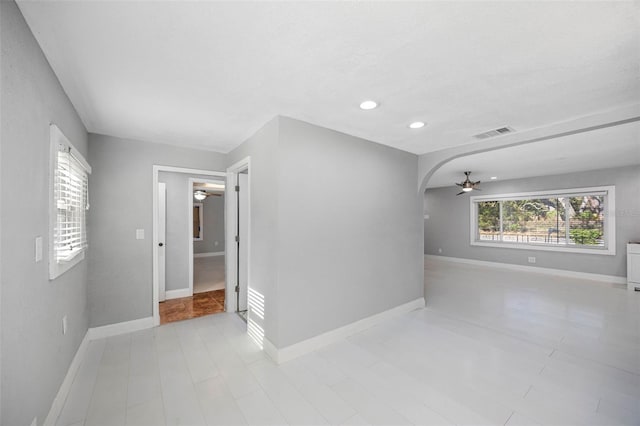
(609, 227)
(57, 138)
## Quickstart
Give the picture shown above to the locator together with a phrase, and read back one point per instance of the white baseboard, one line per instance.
(65, 387)
(215, 253)
(92, 334)
(120, 328)
(176, 294)
(298, 349)
(270, 349)
(613, 279)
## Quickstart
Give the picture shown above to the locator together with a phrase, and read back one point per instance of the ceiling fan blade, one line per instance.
(477, 189)
(460, 193)
(476, 183)
(459, 184)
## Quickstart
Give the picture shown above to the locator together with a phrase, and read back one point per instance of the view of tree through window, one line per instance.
(551, 220)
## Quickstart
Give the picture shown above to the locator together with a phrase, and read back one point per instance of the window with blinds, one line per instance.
(69, 204)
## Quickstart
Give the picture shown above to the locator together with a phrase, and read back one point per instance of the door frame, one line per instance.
(231, 216)
(162, 289)
(190, 204)
(156, 169)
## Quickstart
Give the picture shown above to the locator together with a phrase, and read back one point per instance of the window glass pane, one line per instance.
(586, 220)
(511, 221)
(534, 221)
(489, 221)
(556, 223)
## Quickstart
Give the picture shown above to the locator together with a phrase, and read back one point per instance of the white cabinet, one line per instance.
(633, 266)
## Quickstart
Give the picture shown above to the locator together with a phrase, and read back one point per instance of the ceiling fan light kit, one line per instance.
(468, 185)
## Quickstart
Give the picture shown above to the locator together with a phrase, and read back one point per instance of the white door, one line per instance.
(243, 247)
(162, 233)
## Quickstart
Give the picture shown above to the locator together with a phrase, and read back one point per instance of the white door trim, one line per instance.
(231, 217)
(162, 235)
(190, 204)
(155, 172)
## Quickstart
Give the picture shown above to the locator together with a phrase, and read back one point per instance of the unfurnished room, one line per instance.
(319, 213)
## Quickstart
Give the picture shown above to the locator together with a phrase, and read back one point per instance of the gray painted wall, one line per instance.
(213, 226)
(335, 224)
(263, 149)
(120, 283)
(448, 224)
(350, 230)
(177, 244)
(35, 354)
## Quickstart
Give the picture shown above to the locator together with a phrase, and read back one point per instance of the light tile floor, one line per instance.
(493, 347)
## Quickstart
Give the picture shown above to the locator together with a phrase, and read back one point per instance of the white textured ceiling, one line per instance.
(604, 148)
(209, 74)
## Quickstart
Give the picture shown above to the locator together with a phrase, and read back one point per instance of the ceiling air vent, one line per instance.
(494, 132)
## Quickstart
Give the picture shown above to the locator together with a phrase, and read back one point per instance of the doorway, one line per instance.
(238, 234)
(207, 236)
(162, 257)
(242, 243)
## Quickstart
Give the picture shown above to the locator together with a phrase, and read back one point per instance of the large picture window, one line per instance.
(574, 220)
(69, 202)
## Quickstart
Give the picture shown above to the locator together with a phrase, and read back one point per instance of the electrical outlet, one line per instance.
(439, 250)
(532, 259)
(215, 243)
(64, 325)
(139, 234)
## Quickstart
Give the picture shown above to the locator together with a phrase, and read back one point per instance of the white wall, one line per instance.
(212, 226)
(448, 225)
(120, 282)
(35, 354)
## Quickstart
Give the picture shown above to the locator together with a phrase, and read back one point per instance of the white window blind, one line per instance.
(70, 202)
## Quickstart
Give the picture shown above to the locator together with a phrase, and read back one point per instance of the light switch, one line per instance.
(139, 234)
(38, 249)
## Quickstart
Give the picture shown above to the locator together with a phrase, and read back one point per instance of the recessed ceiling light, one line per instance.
(368, 105)
(494, 177)
(416, 125)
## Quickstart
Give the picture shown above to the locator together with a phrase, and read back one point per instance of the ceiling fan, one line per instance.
(468, 185)
(201, 195)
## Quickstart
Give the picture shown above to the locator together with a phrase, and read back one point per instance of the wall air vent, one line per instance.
(495, 132)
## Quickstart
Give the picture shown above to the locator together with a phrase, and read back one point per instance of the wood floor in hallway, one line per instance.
(198, 305)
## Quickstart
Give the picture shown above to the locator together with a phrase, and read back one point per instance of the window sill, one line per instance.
(58, 269)
(611, 251)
